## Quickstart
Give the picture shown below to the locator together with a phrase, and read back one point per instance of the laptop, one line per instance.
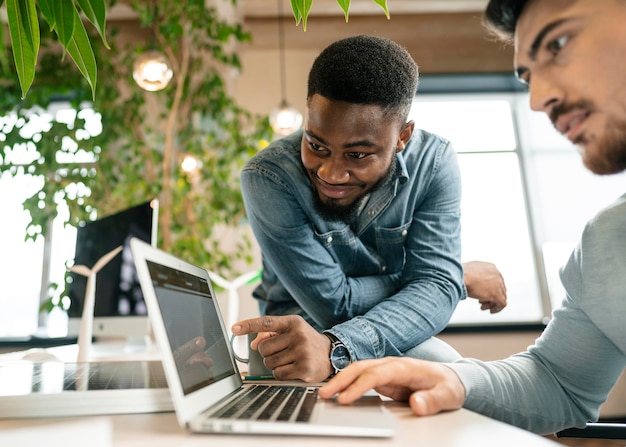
(52, 388)
(207, 390)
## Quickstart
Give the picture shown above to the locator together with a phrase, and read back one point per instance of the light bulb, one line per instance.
(190, 164)
(152, 71)
(285, 119)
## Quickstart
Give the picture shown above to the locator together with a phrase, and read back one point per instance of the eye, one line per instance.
(556, 45)
(315, 147)
(358, 155)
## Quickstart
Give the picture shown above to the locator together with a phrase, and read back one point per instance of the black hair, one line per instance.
(501, 17)
(366, 70)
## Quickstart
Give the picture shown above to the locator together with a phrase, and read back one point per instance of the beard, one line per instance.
(331, 209)
(601, 155)
(609, 156)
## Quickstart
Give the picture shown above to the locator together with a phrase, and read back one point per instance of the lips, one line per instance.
(571, 124)
(333, 191)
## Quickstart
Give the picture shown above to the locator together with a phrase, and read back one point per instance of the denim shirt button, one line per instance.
(384, 268)
(404, 232)
(329, 239)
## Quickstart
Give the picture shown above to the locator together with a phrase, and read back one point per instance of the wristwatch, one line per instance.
(339, 355)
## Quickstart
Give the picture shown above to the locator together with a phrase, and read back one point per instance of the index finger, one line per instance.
(353, 382)
(267, 323)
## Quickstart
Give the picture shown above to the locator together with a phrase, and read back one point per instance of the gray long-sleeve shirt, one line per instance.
(562, 379)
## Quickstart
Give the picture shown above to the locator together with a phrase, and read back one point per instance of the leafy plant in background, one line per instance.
(137, 154)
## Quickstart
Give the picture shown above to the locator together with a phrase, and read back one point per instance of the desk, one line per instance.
(453, 429)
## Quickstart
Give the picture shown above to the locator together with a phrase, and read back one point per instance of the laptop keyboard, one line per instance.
(271, 403)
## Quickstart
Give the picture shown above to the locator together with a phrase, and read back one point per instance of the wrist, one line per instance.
(338, 356)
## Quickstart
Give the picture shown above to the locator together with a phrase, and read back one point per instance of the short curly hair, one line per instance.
(501, 17)
(366, 69)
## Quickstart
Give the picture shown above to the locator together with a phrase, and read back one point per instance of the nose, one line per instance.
(544, 94)
(333, 171)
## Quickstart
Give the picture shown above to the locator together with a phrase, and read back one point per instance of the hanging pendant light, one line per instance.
(285, 119)
(152, 71)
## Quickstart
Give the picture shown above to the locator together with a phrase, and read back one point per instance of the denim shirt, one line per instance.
(383, 284)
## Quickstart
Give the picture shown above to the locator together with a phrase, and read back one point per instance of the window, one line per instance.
(27, 267)
(526, 196)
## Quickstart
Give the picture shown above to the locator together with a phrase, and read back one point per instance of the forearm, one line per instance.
(554, 385)
(298, 262)
(400, 322)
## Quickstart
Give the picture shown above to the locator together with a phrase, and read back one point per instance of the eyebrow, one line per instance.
(534, 47)
(358, 143)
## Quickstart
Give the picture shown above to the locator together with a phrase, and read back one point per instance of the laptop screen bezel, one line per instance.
(191, 404)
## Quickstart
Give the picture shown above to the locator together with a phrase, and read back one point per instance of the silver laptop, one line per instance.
(208, 393)
(51, 388)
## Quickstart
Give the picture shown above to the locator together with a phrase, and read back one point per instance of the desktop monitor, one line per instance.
(119, 309)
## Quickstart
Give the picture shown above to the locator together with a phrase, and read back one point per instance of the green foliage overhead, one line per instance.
(302, 8)
(63, 18)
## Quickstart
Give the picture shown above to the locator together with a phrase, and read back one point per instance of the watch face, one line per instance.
(340, 357)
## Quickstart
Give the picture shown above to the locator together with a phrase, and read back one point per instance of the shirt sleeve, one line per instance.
(562, 379)
(305, 268)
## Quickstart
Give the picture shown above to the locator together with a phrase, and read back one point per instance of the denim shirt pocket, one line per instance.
(341, 244)
(390, 243)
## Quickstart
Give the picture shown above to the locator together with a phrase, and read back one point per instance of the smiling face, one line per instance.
(348, 150)
(571, 53)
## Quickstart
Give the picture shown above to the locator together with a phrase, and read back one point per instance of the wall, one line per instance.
(440, 43)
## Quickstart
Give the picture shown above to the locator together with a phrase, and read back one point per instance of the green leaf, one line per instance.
(345, 5)
(295, 7)
(64, 11)
(81, 52)
(96, 12)
(383, 4)
(47, 11)
(301, 9)
(24, 31)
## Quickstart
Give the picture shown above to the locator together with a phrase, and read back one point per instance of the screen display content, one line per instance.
(117, 288)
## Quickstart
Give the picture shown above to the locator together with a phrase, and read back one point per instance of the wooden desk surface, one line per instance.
(458, 428)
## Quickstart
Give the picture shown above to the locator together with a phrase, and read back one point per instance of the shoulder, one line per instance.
(280, 161)
(280, 151)
(427, 147)
(595, 270)
(607, 228)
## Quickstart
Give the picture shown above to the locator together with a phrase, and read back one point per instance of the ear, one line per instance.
(405, 135)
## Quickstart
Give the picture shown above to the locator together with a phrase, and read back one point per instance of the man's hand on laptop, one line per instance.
(429, 387)
(291, 348)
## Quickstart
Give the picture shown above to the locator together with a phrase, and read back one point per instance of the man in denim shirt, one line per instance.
(358, 220)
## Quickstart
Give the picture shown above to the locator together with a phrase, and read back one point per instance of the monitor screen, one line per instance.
(119, 308)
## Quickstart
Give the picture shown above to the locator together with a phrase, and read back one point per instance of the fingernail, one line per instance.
(236, 328)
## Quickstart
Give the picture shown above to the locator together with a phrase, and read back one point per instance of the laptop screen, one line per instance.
(193, 327)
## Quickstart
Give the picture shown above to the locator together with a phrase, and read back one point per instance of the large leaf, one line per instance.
(64, 12)
(81, 52)
(24, 31)
(96, 12)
